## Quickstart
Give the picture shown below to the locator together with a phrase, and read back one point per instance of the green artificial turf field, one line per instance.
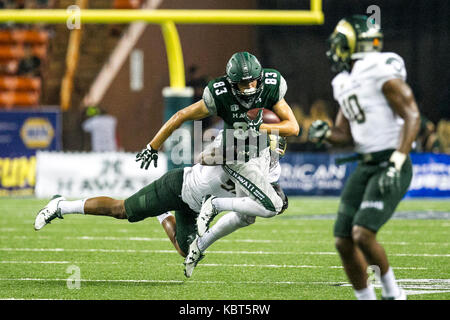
(291, 256)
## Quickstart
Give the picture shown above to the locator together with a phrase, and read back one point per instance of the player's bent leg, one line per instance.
(375, 210)
(244, 205)
(185, 231)
(59, 206)
(355, 266)
(375, 255)
(105, 206)
(168, 222)
(227, 224)
(353, 261)
(160, 196)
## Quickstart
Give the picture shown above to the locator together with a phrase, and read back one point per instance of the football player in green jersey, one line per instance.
(246, 85)
(378, 113)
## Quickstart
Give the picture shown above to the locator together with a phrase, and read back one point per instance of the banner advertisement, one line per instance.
(313, 174)
(22, 133)
(431, 175)
(317, 174)
(84, 175)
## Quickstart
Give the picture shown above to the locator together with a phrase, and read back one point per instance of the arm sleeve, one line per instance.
(282, 89)
(209, 102)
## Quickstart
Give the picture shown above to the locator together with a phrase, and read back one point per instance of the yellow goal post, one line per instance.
(168, 19)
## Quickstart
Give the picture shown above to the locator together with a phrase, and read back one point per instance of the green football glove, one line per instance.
(256, 123)
(389, 180)
(318, 131)
(147, 155)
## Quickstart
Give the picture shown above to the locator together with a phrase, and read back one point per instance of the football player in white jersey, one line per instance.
(378, 113)
(182, 190)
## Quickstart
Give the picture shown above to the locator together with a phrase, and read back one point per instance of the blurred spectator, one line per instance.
(198, 83)
(443, 131)
(9, 68)
(102, 129)
(427, 138)
(319, 111)
(30, 64)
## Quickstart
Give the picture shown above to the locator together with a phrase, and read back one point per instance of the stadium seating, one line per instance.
(17, 83)
(16, 45)
(9, 99)
(23, 36)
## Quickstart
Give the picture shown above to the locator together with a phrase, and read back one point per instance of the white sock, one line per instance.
(163, 216)
(243, 205)
(76, 206)
(366, 293)
(227, 224)
(389, 287)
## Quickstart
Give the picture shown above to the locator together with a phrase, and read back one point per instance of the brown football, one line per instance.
(268, 116)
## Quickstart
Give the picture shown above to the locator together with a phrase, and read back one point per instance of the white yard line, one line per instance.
(287, 266)
(56, 262)
(212, 251)
(155, 239)
(220, 265)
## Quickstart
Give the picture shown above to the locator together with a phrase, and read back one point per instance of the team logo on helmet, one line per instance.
(352, 36)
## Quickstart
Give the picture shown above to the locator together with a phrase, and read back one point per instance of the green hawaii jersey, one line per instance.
(220, 101)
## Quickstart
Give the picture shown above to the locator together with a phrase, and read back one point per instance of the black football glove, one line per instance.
(318, 131)
(147, 155)
(389, 180)
(256, 123)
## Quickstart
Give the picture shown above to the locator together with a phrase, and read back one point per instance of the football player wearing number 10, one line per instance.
(379, 113)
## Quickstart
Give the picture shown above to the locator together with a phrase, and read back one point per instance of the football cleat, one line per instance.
(193, 257)
(206, 215)
(401, 296)
(48, 213)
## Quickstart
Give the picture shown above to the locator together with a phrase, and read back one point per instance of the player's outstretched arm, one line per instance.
(340, 134)
(195, 111)
(401, 99)
(288, 126)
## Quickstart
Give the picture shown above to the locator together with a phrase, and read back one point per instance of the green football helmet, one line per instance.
(352, 35)
(244, 67)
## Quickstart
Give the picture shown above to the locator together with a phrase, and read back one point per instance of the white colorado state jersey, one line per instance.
(374, 125)
(200, 180)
